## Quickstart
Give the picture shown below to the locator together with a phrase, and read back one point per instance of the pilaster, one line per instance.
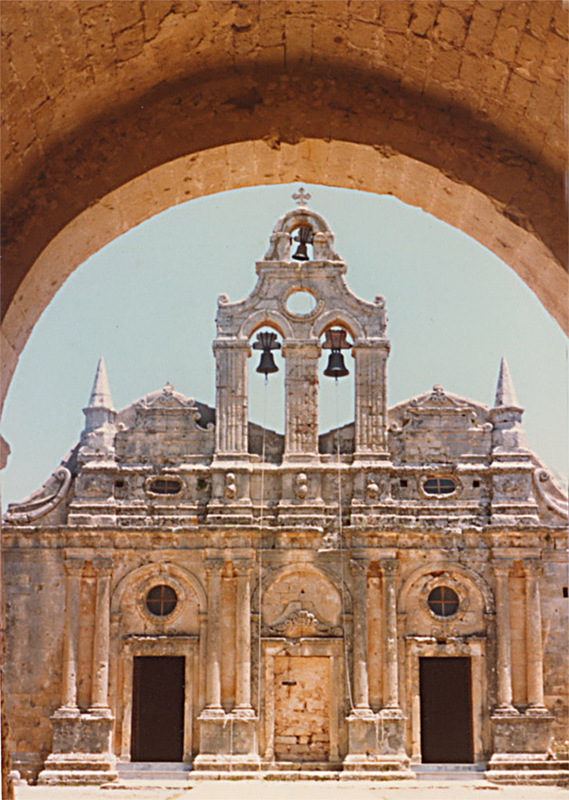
(301, 400)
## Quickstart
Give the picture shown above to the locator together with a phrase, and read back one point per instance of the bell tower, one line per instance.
(338, 320)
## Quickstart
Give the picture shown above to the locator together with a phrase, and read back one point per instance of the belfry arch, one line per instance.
(423, 104)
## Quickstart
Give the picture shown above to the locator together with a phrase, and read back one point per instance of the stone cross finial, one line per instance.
(301, 198)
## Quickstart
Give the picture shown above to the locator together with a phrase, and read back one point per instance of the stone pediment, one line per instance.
(413, 414)
(166, 398)
(297, 622)
(164, 409)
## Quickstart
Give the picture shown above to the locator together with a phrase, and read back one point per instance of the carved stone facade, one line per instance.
(272, 600)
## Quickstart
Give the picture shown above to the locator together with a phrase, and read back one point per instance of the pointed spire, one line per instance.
(505, 392)
(100, 393)
(100, 410)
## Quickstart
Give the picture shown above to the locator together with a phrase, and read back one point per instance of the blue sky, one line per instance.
(147, 303)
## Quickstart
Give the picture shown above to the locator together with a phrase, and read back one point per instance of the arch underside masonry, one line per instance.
(421, 101)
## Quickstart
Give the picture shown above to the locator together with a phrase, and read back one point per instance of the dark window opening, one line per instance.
(566, 591)
(403, 483)
(161, 600)
(443, 601)
(476, 484)
(119, 484)
(439, 486)
(165, 486)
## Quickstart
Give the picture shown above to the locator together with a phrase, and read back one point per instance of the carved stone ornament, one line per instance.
(301, 486)
(550, 493)
(168, 401)
(301, 623)
(41, 502)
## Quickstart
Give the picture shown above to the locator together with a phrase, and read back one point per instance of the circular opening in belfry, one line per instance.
(301, 302)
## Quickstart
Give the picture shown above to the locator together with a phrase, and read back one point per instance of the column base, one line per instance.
(81, 752)
(521, 749)
(376, 744)
(227, 741)
(521, 733)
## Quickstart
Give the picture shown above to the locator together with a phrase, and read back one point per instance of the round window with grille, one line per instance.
(443, 601)
(161, 600)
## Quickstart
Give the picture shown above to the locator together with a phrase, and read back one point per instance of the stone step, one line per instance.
(153, 770)
(306, 766)
(449, 772)
(535, 764)
(529, 777)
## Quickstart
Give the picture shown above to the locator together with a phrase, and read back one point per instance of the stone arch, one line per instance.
(140, 575)
(425, 103)
(271, 319)
(449, 567)
(325, 578)
(343, 319)
(292, 219)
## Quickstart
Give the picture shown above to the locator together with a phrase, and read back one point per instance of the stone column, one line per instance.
(101, 637)
(301, 400)
(359, 596)
(213, 683)
(231, 399)
(370, 400)
(73, 569)
(504, 663)
(389, 568)
(534, 643)
(243, 638)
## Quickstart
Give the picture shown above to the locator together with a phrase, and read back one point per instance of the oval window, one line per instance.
(443, 601)
(439, 486)
(165, 486)
(161, 600)
(301, 303)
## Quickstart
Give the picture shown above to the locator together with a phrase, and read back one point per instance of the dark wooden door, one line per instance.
(158, 708)
(446, 715)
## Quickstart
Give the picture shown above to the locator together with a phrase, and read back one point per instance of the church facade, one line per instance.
(191, 587)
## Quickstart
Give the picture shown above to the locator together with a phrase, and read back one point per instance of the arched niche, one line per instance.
(475, 598)
(303, 587)
(128, 601)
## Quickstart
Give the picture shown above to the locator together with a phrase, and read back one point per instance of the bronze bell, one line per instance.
(336, 342)
(336, 367)
(305, 236)
(267, 341)
(267, 363)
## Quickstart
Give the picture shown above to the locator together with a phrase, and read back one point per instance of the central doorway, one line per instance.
(158, 708)
(446, 710)
(302, 708)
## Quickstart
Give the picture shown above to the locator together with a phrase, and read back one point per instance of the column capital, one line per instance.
(389, 566)
(244, 567)
(74, 565)
(103, 565)
(213, 565)
(359, 566)
(533, 567)
(501, 568)
(231, 344)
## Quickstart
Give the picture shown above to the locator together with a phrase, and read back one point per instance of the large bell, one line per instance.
(301, 253)
(267, 363)
(267, 341)
(305, 236)
(336, 367)
(336, 341)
